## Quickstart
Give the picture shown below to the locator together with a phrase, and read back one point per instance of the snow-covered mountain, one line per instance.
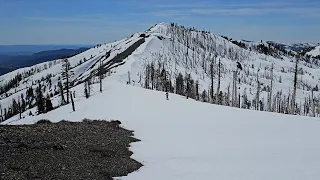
(187, 138)
(158, 57)
(314, 52)
(295, 47)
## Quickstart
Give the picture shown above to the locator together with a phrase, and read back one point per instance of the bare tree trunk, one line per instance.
(67, 83)
(228, 96)
(239, 101)
(234, 89)
(89, 86)
(211, 73)
(258, 92)
(100, 75)
(271, 88)
(219, 77)
(1, 116)
(72, 102)
(313, 105)
(293, 100)
(19, 106)
(63, 101)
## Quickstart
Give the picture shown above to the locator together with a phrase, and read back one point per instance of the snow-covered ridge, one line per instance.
(315, 52)
(179, 50)
(183, 138)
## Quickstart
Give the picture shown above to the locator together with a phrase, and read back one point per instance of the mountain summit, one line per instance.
(185, 61)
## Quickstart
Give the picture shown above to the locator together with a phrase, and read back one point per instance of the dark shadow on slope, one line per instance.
(117, 60)
(66, 150)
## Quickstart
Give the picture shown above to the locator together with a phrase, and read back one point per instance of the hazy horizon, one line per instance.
(99, 21)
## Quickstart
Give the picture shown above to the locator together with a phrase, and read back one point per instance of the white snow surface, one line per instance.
(172, 53)
(315, 52)
(186, 139)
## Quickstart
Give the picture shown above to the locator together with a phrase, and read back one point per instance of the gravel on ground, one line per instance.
(91, 149)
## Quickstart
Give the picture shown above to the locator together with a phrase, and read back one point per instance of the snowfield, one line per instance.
(315, 52)
(181, 138)
(186, 139)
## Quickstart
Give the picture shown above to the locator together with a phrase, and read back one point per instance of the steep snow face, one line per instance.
(315, 52)
(186, 139)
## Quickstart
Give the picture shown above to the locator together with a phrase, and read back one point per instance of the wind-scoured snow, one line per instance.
(186, 139)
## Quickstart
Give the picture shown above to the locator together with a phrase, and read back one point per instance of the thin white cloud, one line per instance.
(304, 11)
(69, 19)
(174, 10)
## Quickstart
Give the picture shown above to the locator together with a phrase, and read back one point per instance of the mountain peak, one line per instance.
(175, 51)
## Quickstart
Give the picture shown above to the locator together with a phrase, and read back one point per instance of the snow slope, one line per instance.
(167, 46)
(186, 139)
(315, 52)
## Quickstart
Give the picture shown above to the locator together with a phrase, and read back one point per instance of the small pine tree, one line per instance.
(49, 106)
(204, 96)
(197, 90)
(20, 109)
(67, 73)
(86, 92)
(40, 100)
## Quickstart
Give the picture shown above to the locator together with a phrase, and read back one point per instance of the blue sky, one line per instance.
(99, 21)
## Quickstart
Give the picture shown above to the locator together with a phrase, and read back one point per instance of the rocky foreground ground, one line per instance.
(66, 150)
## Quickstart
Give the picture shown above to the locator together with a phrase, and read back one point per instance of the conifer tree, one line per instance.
(188, 88)
(86, 93)
(204, 96)
(40, 100)
(1, 115)
(49, 106)
(5, 114)
(67, 73)
(197, 90)
(20, 109)
(313, 105)
(180, 85)
(89, 86)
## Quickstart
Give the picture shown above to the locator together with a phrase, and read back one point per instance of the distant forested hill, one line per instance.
(9, 63)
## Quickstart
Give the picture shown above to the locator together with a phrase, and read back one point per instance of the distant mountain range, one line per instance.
(15, 60)
(31, 49)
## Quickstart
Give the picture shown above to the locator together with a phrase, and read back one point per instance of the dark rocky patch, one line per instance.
(66, 150)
